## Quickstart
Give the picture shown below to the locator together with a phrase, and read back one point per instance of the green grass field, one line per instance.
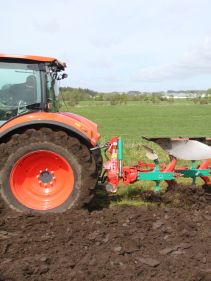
(136, 119)
(140, 119)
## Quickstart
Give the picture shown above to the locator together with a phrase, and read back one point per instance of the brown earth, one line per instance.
(168, 241)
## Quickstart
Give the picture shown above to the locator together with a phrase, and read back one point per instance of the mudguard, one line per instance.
(77, 124)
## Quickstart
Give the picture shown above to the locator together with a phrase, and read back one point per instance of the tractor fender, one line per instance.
(73, 124)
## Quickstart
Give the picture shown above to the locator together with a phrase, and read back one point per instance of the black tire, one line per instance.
(70, 148)
(98, 160)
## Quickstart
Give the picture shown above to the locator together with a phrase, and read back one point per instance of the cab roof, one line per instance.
(31, 59)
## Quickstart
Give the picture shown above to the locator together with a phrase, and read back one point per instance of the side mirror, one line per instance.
(62, 76)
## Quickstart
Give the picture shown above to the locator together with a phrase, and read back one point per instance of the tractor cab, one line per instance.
(28, 83)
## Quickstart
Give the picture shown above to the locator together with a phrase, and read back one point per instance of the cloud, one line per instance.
(105, 41)
(193, 63)
(51, 26)
(101, 62)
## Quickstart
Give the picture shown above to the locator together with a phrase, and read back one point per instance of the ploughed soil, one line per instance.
(170, 240)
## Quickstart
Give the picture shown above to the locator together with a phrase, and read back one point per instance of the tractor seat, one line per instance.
(30, 90)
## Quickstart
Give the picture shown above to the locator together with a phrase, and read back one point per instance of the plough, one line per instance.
(191, 149)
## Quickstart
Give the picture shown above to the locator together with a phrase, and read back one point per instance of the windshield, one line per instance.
(20, 88)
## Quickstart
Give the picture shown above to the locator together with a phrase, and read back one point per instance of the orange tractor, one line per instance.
(47, 162)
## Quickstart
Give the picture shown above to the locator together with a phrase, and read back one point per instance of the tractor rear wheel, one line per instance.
(47, 171)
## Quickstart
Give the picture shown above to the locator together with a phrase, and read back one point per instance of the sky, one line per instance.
(115, 45)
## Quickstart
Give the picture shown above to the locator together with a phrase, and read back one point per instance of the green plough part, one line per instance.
(155, 176)
(193, 173)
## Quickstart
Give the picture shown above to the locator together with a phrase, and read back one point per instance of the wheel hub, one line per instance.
(42, 180)
(45, 177)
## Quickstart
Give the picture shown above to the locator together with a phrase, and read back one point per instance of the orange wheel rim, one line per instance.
(42, 180)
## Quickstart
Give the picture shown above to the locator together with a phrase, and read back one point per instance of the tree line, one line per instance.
(73, 96)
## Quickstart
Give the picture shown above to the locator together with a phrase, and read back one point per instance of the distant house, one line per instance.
(185, 95)
(178, 96)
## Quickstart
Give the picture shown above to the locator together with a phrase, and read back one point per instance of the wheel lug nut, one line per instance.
(52, 173)
(38, 176)
(40, 171)
(46, 169)
(54, 178)
(45, 184)
(39, 182)
(51, 183)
